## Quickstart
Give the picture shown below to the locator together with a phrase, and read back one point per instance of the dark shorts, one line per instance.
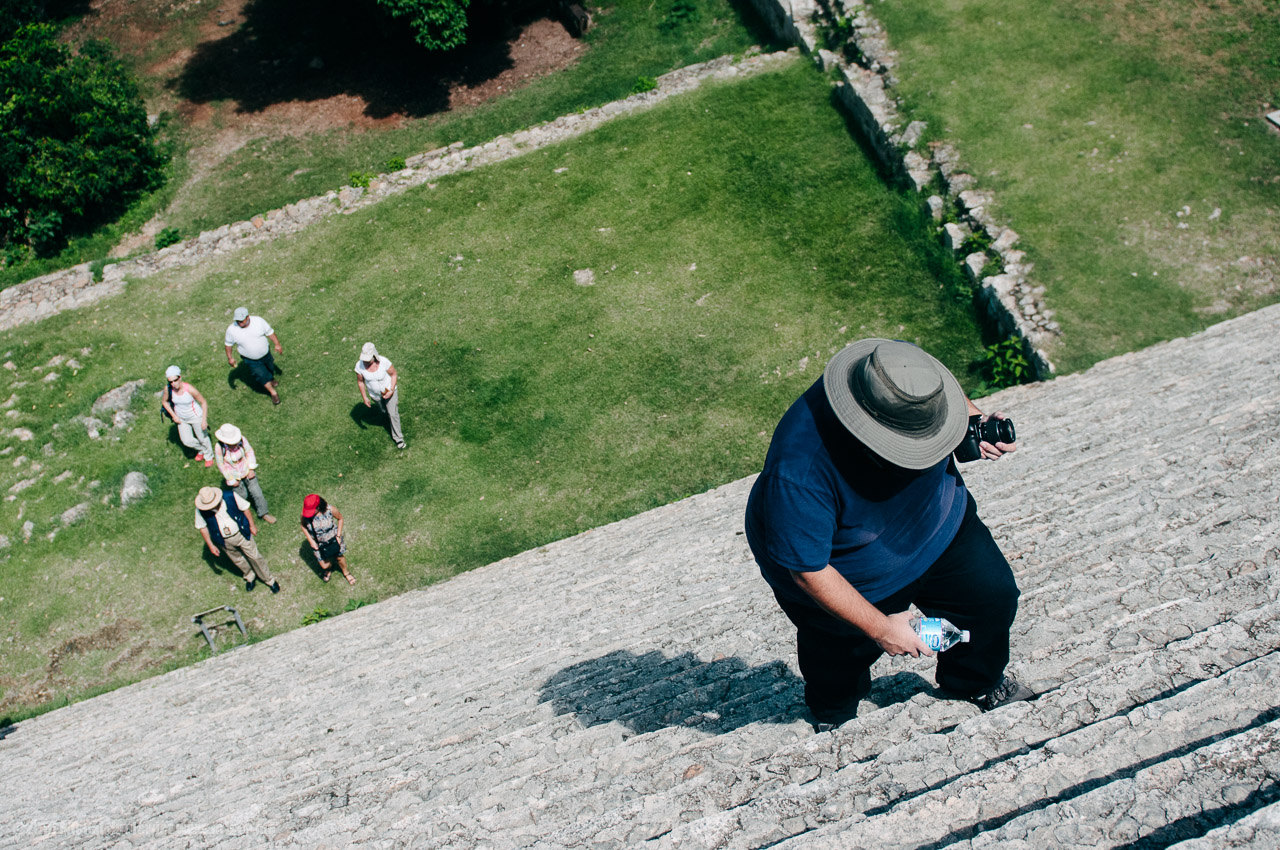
(263, 371)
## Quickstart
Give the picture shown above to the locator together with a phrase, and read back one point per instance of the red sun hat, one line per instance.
(310, 505)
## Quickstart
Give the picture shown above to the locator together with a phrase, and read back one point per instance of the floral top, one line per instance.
(324, 528)
(234, 462)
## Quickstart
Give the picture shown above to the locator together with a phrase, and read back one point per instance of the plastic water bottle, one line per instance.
(938, 634)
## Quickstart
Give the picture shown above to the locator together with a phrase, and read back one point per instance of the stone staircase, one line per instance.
(636, 684)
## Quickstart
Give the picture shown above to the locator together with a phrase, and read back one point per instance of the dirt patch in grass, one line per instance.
(234, 71)
(1177, 30)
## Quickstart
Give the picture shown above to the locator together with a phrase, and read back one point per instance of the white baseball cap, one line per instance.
(173, 372)
(241, 314)
(368, 352)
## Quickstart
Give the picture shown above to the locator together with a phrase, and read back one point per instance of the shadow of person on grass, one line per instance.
(286, 51)
(243, 375)
(308, 557)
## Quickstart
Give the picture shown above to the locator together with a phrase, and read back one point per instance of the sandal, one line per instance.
(351, 579)
(326, 575)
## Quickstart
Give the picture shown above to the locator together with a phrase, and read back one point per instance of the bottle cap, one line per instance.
(964, 636)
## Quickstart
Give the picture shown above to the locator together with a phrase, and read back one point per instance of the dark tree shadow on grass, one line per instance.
(287, 51)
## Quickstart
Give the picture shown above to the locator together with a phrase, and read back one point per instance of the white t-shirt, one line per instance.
(226, 524)
(378, 380)
(250, 341)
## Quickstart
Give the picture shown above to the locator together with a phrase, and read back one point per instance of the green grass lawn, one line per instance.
(1111, 131)
(631, 39)
(737, 237)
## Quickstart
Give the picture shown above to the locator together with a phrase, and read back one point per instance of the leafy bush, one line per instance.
(436, 24)
(396, 163)
(644, 84)
(353, 604)
(1006, 364)
(168, 236)
(361, 179)
(683, 12)
(316, 616)
(75, 145)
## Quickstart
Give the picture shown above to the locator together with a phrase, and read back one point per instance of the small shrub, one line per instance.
(396, 163)
(991, 268)
(95, 269)
(683, 13)
(361, 179)
(316, 616)
(168, 236)
(1006, 365)
(644, 84)
(978, 241)
(353, 604)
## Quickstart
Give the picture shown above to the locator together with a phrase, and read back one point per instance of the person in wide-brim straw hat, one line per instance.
(238, 464)
(861, 512)
(224, 521)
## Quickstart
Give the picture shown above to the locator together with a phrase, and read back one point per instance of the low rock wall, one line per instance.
(1009, 299)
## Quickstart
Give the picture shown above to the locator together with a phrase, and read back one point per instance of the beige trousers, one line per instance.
(245, 555)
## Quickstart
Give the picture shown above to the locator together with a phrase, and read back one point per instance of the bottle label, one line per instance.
(930, 630)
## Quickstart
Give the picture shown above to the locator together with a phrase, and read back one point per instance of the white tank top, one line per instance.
(185, 405)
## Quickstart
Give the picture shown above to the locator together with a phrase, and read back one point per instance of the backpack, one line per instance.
(164, 414)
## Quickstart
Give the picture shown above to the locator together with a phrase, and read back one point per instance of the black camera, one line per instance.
(992, 431)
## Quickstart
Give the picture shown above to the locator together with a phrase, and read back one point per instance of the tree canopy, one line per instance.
(75, 144)
(437, 24)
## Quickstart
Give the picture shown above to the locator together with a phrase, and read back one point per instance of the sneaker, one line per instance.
(199, 456)
(269, 519)
(400, 445)
(1009, 690)
(275, 586)
(248, 584)
(208, 462)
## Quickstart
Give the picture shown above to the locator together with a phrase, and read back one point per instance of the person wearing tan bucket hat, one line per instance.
(224, 521)
(860, 513)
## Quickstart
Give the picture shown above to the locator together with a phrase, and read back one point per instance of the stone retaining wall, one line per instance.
(1010, 300)
(45, 296)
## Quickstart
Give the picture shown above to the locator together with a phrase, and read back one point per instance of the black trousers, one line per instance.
(971, 584)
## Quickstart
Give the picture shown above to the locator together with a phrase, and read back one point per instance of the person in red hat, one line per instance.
(322, 524)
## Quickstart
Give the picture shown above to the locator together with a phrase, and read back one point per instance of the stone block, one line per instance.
(954, 235)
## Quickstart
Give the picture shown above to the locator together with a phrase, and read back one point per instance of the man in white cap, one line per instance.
(253, 338)
(376, 377)
(860, 512)
(223, 520)
(238, 464)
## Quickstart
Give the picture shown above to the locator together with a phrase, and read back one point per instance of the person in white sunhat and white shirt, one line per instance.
(377, 378)
(238, 464)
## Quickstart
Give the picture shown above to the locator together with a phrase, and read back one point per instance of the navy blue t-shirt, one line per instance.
(824, 499)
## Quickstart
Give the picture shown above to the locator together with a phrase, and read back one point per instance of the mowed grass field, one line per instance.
(736, 238)
(1124, 140)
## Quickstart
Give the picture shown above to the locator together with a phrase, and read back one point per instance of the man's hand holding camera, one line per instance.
(988, 437)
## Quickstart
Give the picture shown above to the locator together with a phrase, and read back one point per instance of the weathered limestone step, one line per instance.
(1151, 770)
(1259, 830)
(889, 742)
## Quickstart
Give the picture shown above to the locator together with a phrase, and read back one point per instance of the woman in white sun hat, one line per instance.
(185, 406)
(237, 463)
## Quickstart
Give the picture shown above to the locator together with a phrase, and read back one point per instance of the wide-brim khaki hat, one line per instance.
(897, 400)
(208, 498)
